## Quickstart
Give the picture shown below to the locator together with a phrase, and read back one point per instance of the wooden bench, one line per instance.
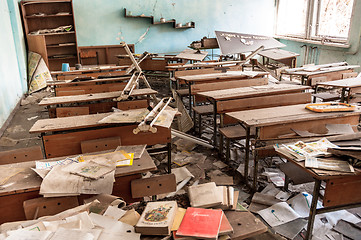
(21, 155)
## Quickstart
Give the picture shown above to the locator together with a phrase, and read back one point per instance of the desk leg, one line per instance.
(343, 94)
(246, 160)
(311, 217)
(214, 124)
(190, 99)
(169, 146)
(255, 170)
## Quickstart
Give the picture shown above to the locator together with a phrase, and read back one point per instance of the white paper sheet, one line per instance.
(279, 213)
(114, 212)
(110, 225)
(84, 218)
(29, 235)
(301, 203)
(76, 234)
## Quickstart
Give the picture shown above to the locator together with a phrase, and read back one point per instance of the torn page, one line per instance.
(301, 203)
(114, 212)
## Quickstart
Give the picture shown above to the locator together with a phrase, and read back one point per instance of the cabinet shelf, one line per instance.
(61, 45)
(48, 16)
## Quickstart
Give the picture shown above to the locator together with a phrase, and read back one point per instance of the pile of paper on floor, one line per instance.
(77, 223)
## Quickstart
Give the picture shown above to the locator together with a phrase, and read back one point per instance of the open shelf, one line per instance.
(172, 21)
(61, 45)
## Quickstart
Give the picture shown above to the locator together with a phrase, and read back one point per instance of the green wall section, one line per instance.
(100, 22)
(12, 60)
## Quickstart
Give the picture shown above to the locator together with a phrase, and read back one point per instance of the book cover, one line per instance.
(201, 223)
(225, 227)
(157, 218)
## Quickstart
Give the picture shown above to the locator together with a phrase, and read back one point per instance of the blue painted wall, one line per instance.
(12, 59)
(100, 22)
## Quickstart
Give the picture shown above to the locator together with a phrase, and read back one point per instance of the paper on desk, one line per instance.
(114, 212)
(89, 169)
(328, 164)
(76, 234)
(279, 213)
(50, 164)
(128, 116)
(29, 235)
(110, 225)
(84, 218)
(102, 185)
(7, 173)
(138, 150)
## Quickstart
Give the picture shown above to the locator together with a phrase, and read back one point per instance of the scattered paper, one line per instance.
(114, 212)
(279, 213)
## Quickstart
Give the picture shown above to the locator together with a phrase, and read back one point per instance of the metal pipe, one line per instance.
(191, 138)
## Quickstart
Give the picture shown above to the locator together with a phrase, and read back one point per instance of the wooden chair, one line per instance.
(21, 155)
(71, 111)
(38, 207)
(154, 185)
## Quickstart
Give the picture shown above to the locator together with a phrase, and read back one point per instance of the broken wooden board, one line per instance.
(244, 224)
(190, 54)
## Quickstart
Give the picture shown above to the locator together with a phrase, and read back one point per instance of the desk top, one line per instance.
(255, 91)
(68, 83)
(284, 114)
(92, 97)
(87, 69)
(315, 71)
(221, 76)
(343, 83)
(278, 54)
(28, 180)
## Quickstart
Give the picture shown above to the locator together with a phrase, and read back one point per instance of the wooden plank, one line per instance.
(153, 185)
(70, 92)
(57, 145)
(92, 97)
(348, 82)
(21, 155)
(253, 91)
(100, 144)
(94, 108)
(89, 82)
(340, 191)
(71, 111)
(39, 207)
(315, 126)
(134, 104)
(349, 75)
(220, 76)
(244, 224)
(87, 89)
(205, 87)
(263, 102)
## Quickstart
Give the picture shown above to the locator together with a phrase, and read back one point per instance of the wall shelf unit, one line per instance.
(128, 14)
(51, 14)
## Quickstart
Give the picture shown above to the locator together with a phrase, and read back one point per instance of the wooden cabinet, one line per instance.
(50, 31)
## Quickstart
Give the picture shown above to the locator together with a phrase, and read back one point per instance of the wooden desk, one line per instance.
(340, 192)
(63, 88)
(332, 73)
(346, 84)
(104, 101)
(216, 77)
(272, 123)
(26, 185)
(286, 57)
(222, 104)
(63, 136)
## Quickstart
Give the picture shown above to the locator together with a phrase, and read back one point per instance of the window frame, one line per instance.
(313, 18)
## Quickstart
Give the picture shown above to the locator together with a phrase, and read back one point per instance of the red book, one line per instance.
(225, 227)
(201, 223)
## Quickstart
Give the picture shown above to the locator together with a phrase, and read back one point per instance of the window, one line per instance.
(319, 20)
